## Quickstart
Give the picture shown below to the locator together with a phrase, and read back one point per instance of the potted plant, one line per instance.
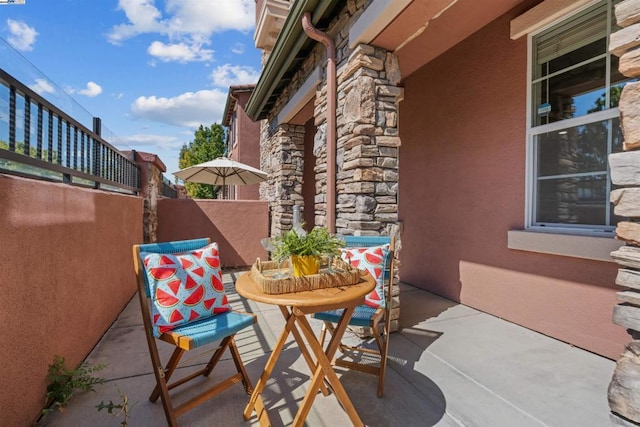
(306, 249)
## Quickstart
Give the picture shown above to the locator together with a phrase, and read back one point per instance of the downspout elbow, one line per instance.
(319, 36)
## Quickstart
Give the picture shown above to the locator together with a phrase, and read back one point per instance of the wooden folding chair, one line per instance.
(366, 315)
(220, 325)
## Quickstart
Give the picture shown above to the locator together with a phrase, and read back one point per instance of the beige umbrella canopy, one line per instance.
(222, 171)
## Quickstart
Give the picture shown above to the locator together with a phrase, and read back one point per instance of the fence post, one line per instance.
(97, 161)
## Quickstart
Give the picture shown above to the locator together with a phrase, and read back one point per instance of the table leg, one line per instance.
(303, 348)
(271, 363)
(325, 369)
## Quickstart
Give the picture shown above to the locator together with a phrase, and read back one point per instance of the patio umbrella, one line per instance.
(222, 171)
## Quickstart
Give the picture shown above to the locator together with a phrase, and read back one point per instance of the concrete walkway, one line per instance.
(450, 365)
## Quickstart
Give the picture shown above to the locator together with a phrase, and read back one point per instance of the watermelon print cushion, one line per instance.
(184, 287)
(373, 260)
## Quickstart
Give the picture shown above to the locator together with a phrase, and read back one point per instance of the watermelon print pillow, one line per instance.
(373, 260)
(184, 287)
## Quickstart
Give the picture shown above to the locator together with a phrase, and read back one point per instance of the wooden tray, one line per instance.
(264, 271)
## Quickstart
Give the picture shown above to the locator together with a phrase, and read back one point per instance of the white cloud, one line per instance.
(159, 142)
(22, 37)
(180, 52)
(208, 17)
(143, 17)
(187, 24)
(227, 75)
(41, 86)
(238, 48)
(92, 89)
(190, 109)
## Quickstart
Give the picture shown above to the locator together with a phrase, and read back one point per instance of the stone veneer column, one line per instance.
(282, 154)
(367, 148)
(151, 190)
(624, 389)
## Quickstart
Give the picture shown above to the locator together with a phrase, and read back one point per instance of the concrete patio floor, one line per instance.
(450, 365)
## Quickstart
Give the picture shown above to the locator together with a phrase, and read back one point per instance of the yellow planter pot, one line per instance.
(305, 265)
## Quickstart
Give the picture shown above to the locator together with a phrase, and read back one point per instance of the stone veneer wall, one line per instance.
(281, 156)
(624, 389)
(367, 142)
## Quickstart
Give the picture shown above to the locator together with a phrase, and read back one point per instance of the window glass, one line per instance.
(575, 89)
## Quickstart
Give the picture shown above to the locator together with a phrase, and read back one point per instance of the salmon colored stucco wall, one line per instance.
(247, 149)
(462, 188)
(66, 272)
(237, 226)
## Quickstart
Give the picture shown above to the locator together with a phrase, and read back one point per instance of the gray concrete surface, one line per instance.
(450, 365)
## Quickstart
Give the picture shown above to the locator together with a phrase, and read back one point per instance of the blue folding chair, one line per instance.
(187, 336)
(367, 316)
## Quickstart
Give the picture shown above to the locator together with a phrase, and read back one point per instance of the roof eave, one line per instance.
(288, 45)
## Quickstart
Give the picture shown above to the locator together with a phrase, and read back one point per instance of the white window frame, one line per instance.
(531, 132)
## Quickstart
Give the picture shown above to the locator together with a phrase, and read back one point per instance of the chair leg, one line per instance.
(217, 355)
(161, 389)
(168, 372)
(237, 360)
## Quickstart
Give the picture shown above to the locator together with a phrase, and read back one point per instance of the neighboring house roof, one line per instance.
(147, 157)
(230, 106)
(291, 48)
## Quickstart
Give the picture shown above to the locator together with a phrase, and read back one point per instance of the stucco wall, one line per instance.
(248, 149)
(462, 183)
(237, 226)
(66, 273)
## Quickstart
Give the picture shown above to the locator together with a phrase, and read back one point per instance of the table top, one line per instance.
(247, 288)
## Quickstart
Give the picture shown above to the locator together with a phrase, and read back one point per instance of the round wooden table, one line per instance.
(295, 307)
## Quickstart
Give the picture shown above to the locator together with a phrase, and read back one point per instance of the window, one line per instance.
(574, 122)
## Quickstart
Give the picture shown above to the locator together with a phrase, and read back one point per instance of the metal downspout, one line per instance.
(326, 40)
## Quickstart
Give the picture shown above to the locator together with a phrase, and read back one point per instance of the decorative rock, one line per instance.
(371, 174)
(628, 256)
(629, 232)
(387, 162)
(386, 208)
(359, 105)
(366, 204)
(388, 141)
(627, 316)
(628, 278)
(386, 217)
(394, 91)
(626, 201)
(630, 297)
(625, 168)
(364, 129)
(359, 187)
(630, 114)
(358, 140)
(627, 13)
(392, 68)
(624, 39)
(629, 64)
(358, 163)
(624, 389)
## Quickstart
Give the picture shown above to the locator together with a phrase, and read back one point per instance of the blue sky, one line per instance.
(152, 70)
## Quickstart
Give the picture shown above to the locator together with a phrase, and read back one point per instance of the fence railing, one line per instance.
(45, 142)
(168, 189)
